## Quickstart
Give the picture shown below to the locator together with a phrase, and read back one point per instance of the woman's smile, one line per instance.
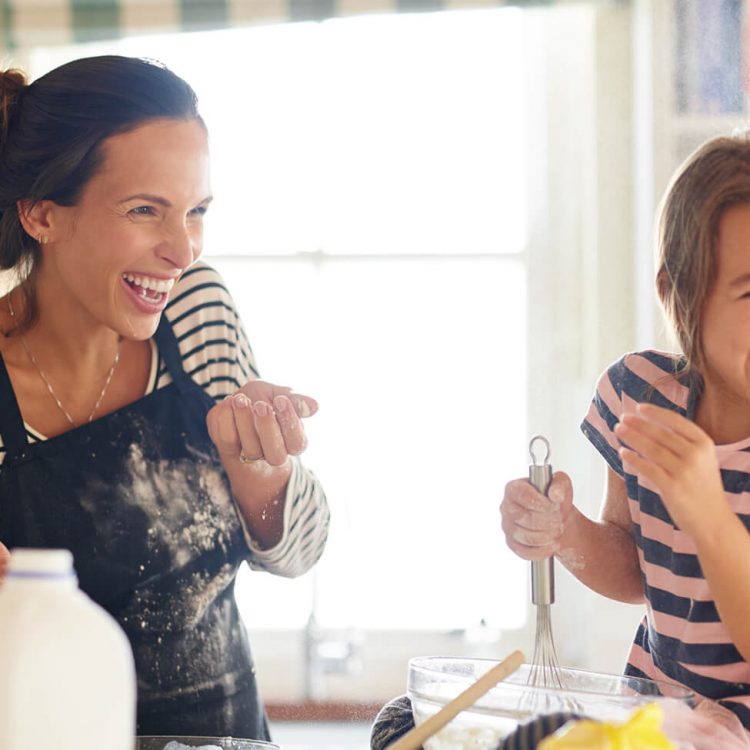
(149, 294)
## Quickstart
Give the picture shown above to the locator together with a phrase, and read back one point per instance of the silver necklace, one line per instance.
(46, 382)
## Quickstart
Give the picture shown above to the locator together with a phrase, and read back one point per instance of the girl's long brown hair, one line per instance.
(714, 178)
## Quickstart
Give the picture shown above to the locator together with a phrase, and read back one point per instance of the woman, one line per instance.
(133, 428)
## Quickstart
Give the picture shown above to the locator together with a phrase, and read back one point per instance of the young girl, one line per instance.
(674, 430)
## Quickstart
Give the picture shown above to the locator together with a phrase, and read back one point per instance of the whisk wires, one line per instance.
(545, 667)
(547, 691)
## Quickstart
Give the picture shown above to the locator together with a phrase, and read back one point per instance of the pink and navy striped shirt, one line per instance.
(681, 637)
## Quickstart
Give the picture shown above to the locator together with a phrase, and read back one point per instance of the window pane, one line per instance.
(419, 367)
(399, 135)
(394, 134)
(426, 138)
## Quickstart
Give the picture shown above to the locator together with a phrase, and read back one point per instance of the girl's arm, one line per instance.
(601, 554)
(679, 459)
(724, 553)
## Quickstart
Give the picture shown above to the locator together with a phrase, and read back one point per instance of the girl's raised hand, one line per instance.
(679, 460)
(261, 423)
(533, 523)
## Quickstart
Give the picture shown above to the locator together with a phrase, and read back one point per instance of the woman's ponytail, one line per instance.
(12, 83)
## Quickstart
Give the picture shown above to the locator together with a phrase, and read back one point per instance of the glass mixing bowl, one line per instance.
(435, 680)
(225, 743)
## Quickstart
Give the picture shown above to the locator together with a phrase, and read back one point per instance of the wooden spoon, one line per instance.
(415, 738)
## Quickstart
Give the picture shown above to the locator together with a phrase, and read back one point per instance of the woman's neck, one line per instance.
(63, 334)
(90, 371)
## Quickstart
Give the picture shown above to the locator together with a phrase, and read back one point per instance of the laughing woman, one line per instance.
(134, 430)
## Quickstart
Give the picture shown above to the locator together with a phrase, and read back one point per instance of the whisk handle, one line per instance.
(543, 581)
(542, 571)
(540, 475)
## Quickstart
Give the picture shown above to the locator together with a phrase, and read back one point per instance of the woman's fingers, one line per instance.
(290, 424)
(222, 428)
(261, 421)
(249, 444)
(271, 431)
(260, 390)
(269, 434)
(304, 406)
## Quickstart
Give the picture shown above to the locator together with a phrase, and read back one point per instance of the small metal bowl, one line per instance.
(153, 742)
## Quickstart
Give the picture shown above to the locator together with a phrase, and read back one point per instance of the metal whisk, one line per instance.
(545, 668)
(549, 693)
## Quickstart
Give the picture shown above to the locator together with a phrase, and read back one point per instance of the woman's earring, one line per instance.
(41, 239)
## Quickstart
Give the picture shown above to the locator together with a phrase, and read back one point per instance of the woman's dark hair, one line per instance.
(51, 133)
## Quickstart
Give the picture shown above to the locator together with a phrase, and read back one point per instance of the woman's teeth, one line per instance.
(148, 287)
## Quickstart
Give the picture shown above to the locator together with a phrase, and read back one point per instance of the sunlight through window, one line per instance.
(370, 222)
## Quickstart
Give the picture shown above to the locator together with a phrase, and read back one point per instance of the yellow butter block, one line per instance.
(642, 731)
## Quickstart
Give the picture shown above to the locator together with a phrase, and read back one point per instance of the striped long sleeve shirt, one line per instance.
(681, 638)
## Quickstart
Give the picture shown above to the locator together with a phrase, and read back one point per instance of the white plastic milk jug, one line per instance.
(67, 680)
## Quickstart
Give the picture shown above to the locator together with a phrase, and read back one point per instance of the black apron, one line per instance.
(141, 500)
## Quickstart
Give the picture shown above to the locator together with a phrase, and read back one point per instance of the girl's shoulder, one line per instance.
(651, 375)
(657, 362)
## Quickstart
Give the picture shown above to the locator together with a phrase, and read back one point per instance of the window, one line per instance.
(369, 219)
(373, 222)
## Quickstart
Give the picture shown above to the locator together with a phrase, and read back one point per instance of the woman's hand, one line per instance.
(260, 425)
(679, 459)
(532, 522)
(255, 431)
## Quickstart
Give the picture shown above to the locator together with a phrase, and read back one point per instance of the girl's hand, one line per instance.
(260, 425)
(679, 459)
(532, 522)
(4, 559)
